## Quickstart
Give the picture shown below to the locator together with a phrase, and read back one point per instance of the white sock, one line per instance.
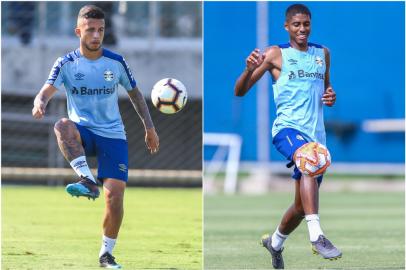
(313, 224)
(107, 245)
(81, 168)
(277, 239)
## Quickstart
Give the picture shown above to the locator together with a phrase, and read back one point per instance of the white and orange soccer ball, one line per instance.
(169, 95)
(312, 159)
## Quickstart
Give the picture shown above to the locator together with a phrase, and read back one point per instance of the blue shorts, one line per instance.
(287, 141)
(112, 154)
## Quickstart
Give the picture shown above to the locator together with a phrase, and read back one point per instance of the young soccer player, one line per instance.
(91, 75)
(300, 71)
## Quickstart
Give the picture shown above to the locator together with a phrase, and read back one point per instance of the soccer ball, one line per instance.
(312, 159)
(169, 95)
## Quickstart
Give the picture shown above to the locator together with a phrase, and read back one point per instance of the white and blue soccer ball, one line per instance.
(312, 159)
(169, 95)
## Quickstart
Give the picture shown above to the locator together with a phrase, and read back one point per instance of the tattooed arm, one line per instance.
(138, 101)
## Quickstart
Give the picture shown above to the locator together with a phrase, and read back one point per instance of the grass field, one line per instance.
(44, 228)
(369, 228)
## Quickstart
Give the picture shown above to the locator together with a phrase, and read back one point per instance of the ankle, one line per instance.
(313, 225)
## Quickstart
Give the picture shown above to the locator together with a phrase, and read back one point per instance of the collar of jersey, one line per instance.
(79, 55)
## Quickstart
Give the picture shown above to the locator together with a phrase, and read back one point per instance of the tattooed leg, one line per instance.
(69, 140)
(70, 143)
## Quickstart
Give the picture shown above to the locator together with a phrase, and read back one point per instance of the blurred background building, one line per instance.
(365, 128)
(157, 39)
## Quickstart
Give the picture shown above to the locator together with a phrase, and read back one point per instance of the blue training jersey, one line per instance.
(91, 90)
(298, 92)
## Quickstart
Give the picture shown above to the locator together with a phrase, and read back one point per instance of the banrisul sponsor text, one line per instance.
(92, 91)
(303, 74)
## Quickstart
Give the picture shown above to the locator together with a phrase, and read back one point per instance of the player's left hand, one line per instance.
(152, 140)
(329, 97)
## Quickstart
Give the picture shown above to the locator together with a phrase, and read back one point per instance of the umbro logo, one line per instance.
(319, 61)
(80, 164)
(122, 167)
(79, 76)
(292, 61)
(299, 137)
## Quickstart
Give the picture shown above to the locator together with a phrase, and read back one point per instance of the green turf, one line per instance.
(44, 228)
(367, 227)
(243, 176)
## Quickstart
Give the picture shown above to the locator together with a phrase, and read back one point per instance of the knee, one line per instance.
(299, 209)
(63, 125)
(114, 201)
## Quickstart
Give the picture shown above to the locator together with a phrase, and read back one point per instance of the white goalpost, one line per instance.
(228, 155)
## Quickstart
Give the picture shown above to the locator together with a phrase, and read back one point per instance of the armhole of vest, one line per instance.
(281, 50)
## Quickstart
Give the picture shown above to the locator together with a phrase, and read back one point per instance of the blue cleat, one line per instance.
(325, 248)
(85, 188)
(108, 261)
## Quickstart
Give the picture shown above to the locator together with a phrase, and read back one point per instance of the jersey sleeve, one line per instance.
(55, 77)
(126, 77)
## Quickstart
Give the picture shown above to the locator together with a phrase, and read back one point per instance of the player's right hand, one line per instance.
(152, 140)
(254, 60)
(38, 111)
